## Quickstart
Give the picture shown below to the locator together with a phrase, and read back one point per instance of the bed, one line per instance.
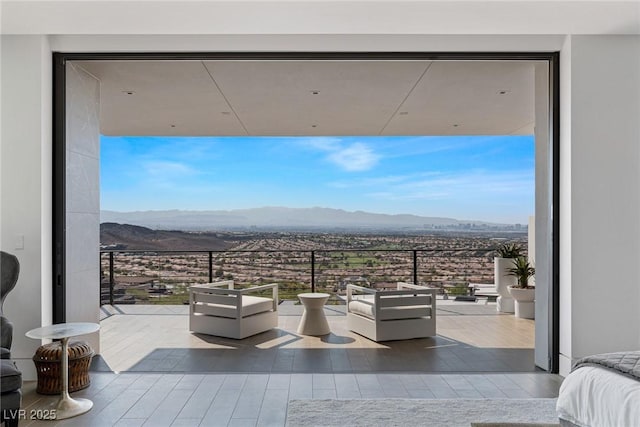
(602, 390)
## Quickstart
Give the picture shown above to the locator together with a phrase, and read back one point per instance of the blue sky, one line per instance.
(488, 178)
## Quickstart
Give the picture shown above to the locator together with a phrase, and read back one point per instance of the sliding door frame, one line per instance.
(59, 144)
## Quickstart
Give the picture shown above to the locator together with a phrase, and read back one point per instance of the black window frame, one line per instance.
(59, 142)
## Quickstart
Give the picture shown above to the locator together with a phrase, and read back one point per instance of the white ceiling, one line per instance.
(277, 97)
(316, 17)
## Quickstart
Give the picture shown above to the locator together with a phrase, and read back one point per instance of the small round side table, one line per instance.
(313, 321)
(65, 407)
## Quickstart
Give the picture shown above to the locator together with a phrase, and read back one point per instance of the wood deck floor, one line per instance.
(471, 338)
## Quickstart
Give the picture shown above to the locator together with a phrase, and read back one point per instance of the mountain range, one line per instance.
(125, 236)
(281, 218)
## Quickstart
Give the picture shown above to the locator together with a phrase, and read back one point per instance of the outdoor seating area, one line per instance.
(220, 310)
(470, 337)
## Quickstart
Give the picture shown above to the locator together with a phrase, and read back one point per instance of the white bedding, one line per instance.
(598, 397)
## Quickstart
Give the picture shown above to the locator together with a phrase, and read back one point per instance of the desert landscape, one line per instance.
(154, 274)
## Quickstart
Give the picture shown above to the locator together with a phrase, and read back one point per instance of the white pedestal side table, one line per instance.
(313, 321)
(65, 406)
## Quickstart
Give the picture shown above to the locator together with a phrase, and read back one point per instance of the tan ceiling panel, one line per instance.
(168, 98)
(469, 98)
(316, 98)
(196, 98)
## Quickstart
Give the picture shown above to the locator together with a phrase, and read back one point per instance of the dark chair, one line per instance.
(11, 377)
(6, 338)
(9, 271)
(11, 396)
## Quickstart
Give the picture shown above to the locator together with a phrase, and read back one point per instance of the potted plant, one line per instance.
(522, 293)
(509, 250)
(505, 254)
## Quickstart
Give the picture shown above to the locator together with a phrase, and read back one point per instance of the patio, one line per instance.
(472, 337)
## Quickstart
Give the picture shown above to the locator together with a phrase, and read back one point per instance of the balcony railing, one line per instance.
(129, 276)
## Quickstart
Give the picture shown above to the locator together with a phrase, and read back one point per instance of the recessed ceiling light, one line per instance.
(173, 126)
(403, 113)
(226, 113)
(314, 126)
(128, 92)
(503, 92)
(455, 125)
(315, 92)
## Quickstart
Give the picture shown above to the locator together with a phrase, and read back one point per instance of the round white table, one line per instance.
(65, 407)
(313, 321)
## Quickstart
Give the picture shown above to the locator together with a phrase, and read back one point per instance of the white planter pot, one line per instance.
(502, 281)
(525, 302)
(505, 305)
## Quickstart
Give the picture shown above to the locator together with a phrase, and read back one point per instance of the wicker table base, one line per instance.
(47, 361)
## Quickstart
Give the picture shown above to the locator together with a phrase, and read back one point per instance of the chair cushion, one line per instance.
(363, 308)
(5, 353)
(11, 377)
(250, 305)
(366, 307)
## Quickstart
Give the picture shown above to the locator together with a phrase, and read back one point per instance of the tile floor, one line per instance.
(132, 399)
(167, 376)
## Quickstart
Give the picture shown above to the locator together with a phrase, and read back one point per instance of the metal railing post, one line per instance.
(111, 278)
(210, 266)
(415, 267)
(313, 271)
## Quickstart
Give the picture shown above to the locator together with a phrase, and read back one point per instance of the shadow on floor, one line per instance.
(98, 364)
(275, 352)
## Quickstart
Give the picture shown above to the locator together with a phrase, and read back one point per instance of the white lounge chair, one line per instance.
(406, 313)
(219, 309)
(487, 290)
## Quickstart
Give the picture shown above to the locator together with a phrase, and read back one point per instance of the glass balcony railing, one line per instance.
(164, 277)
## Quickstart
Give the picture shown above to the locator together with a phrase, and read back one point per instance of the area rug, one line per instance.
(513, 425)
(419, 412)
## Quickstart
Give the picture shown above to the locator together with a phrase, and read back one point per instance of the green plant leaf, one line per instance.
(509, 250)
(522, 270)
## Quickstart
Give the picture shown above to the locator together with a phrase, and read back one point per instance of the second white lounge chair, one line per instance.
(406, 313)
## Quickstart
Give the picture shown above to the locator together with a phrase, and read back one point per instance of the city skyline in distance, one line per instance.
(471, 178)
(274, 218)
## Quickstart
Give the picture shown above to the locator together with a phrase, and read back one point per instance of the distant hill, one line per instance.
(270, 218)
(125, 236)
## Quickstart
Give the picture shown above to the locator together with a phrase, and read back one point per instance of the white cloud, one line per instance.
(476, 183)
(472, 185)
(352, 157)
(356, 157)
